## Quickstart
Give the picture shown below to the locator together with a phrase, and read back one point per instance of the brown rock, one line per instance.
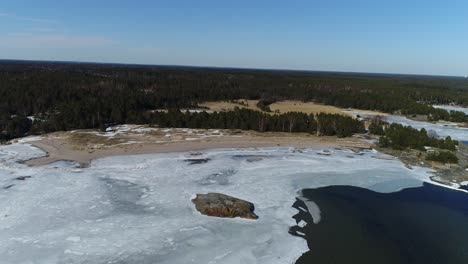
(220, 205)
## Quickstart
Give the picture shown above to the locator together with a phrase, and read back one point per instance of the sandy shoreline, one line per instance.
(64, 147)
(83, 146)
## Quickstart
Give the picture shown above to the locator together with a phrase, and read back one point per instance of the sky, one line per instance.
(411, 37)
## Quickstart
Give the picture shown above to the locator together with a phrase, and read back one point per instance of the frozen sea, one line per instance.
(441, 129)
(137, 209)
(452, 108)
(414, 226)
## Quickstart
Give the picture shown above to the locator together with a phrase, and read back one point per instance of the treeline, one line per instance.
(443, 156)
(16, 126)
(452, 116)
(63, 96)
(397, 136)
(243, 119)
(246, 119)
(435, 114)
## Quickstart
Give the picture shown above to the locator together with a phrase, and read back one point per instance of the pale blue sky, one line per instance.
(426, 37)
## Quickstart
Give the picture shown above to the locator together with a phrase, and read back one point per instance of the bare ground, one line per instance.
(85, 146)
(284, 107)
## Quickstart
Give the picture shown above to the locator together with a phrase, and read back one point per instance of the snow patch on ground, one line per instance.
(29, 139)
(173, 134)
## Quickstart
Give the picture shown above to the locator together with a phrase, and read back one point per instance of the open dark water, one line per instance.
(423, 225)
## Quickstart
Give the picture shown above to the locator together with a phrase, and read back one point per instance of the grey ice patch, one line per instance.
(313, 209)
(250, 158)
(254, 159)
(63, 164)
(395, 185)
(124, 258)
(124, 195)
(221, 178)
(22, 178)
(6, 187)
(197, 161)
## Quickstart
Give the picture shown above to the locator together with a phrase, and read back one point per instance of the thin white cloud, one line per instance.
(33, 41)
(19, 34)
(43, 29)
(30, 19)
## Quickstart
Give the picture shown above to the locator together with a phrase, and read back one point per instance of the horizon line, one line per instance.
(235, 68)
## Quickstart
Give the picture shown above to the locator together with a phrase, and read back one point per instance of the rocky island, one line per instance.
(221, 205)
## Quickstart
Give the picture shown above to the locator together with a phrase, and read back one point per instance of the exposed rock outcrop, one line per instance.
(220, 205)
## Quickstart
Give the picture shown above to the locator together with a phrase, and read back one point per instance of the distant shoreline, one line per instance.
(62, 147)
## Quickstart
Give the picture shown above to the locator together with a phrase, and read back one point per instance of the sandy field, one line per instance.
(308, 108)
(220, 106)
(83, 146)
(287, 106)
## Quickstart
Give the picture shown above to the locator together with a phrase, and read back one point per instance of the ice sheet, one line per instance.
(137, 209)
(452, 108)
(442, 129)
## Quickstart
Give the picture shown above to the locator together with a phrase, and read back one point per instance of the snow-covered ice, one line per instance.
(452, 108)
(442, 129)
(137, 209)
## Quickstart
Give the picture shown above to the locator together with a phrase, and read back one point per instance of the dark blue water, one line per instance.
(423, 225)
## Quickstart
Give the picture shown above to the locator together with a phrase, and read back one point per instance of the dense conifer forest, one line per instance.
(400, 137)
(443, 156)
(64, 96)
(245, 119)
